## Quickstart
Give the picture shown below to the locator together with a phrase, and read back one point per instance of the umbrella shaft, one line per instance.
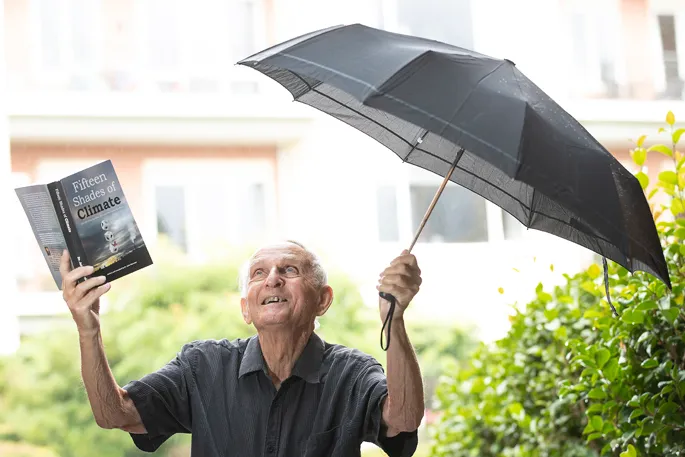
(435, 198)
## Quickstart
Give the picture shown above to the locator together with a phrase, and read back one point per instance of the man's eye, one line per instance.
(291, 270)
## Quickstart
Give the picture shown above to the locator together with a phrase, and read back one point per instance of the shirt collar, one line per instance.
(307, 366)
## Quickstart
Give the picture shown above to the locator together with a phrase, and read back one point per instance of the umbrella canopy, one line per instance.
(482, 123)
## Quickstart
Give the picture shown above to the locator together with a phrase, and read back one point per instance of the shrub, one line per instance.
(633, 377)
(569, 378)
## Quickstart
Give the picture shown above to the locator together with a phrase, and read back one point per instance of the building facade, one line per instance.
(213, 154)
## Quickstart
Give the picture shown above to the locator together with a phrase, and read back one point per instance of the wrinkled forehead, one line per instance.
(278, 254)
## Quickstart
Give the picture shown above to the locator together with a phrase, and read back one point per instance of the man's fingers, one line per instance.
(94, 294)
(406, 259)
(85, 287)
(78, 273)
(403, 281)
(64, 265)
(401, 268)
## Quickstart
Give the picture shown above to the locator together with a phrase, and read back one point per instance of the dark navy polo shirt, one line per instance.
(221, 393)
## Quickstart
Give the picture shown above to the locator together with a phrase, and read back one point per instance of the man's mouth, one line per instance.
(270, 300)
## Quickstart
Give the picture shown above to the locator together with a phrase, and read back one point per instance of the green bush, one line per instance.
(633, 377)
(506, 402)
(569, 378)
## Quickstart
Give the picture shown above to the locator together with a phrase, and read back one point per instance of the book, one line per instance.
(87, 214)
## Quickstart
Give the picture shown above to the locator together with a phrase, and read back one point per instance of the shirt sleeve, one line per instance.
(374, 389)
(162, 399)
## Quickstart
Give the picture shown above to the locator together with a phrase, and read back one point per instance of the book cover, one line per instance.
(86, 212)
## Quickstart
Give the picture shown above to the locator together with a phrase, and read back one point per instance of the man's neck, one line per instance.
(281, 349)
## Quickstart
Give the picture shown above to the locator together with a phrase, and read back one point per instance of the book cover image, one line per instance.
(107, 230)
(86, 213)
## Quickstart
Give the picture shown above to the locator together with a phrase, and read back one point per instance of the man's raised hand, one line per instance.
(82, 299)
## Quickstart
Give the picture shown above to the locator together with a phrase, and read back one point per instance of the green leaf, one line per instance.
(593, 314)
(630, 452)
(515, 408)
(639, 156)
(610, 371)
(551, 314)
(670, 118)
(650, 363)
(595, 408)
(668, 408)
(669, 177)
(643, 178)
(647, 305)
(635, 414)
(594, 271)
(670, 314)
(597, 394)
(641, 141)
(602, 357)
(652, 193)
(633, 317)
(561, 333)
(594, 436)
(597, 423)
(677, 134)
(644, 337)
(676, 206)
(662, 148)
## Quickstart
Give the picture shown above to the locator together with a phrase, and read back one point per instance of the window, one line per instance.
(594, 36)
(253, 213)
(386, 201)
(171, 214)
(192, 46)
(667, 35)
(458, 217)
(68, 42)
(206, 205)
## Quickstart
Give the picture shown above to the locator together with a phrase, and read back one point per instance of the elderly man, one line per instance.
(283, 392)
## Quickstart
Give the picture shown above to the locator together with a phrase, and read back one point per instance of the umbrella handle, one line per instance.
(388, 317)
(390, 297)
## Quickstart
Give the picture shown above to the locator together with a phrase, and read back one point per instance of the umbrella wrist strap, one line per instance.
(606, 284)
(388, 318)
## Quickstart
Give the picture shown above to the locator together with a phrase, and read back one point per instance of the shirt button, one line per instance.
(270, 448)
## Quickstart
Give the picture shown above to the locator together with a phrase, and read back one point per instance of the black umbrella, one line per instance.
(479, 122)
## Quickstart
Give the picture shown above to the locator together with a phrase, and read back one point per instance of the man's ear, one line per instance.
(245, 311)
(325, 300)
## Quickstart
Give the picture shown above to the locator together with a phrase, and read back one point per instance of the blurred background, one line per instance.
(216, 159)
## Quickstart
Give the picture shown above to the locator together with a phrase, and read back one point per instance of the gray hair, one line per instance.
(318, 273)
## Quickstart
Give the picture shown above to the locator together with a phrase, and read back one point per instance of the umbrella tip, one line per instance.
(510, 61)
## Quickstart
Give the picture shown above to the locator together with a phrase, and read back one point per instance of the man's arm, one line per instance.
(403, 408)
(110, 404)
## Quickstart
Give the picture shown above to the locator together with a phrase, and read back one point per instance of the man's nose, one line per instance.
(274, 279)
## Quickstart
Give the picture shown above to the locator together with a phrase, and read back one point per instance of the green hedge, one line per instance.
(570, 379)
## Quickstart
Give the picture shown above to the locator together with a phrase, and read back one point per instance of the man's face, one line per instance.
(281, 290)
